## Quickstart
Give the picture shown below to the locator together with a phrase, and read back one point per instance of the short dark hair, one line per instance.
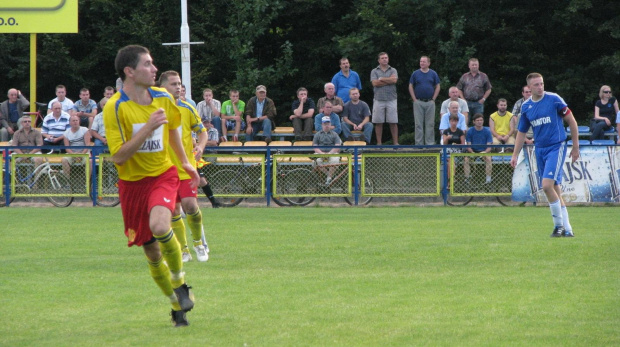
(128, 56)
(380, 54)
(233, 91)
(84, 90)
(163, 78)
(109, 88)
(502, 100)
(301, 89)
(60, 86)
(532, 76)
(476, 116)
(454, 117)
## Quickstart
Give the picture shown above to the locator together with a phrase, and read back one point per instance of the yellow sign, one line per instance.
(38, 16)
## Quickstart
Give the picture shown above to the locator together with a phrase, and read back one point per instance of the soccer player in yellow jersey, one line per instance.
(141, 124)
(187, 196)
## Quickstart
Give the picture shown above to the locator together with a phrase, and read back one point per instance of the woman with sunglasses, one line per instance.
(605, 111)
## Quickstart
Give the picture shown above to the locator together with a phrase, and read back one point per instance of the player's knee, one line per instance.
(159, 220)
(190, 206)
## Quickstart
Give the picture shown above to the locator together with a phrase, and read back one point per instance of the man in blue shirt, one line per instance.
(545, 113)
(85, 108)
(424, 88)
(346, 79)
(478, 140)
(334, 120)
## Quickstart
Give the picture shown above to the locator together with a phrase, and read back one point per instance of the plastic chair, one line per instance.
(603, 142)
(581, 142)
(281, 144)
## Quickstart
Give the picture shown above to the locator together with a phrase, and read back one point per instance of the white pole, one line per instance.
(186, 73)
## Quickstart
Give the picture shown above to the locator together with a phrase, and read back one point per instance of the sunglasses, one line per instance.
(607, 91)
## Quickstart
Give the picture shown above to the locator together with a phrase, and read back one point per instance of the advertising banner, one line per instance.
(594, 177)
(38, 16)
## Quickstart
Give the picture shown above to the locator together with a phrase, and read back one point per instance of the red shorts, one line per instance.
(138, 199)
(185, 191)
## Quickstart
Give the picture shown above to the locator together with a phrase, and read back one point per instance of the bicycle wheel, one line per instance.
(61, 190)
(507, 201)
(3, 200)
(300, 181)
(459, 200)
(225, 182)
(280, 202)
(364, 200)
(110, 200)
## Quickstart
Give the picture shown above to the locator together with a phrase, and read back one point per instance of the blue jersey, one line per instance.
(545, 116)
(481, 137)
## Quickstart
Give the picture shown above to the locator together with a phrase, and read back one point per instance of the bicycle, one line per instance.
(43, 178)
(476, 186)
(230, 185)
(107, 183)
(312, 182)
(39, 115)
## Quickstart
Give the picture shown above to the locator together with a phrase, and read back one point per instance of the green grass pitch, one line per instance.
(381, 276)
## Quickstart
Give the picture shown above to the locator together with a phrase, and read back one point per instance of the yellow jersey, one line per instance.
(190, 121)
(502, 123)
(123, 118)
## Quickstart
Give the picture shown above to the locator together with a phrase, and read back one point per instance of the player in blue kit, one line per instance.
(545, 113)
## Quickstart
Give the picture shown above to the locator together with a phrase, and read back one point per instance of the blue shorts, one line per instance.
(230, 125)
(550, 161)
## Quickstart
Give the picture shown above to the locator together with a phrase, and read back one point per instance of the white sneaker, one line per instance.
(186, 257)
(328, 181)
(204, 240)
(201, 253)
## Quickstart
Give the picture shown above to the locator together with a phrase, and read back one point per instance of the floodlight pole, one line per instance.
(186, 71)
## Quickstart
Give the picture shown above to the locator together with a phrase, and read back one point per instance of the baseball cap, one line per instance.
(261, 88)
(326, 119)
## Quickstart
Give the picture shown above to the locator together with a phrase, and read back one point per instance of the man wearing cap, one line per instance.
(327, 137)
(260, 112)
(327, 111)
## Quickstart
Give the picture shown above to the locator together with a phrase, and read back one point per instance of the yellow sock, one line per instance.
(179, 231)
(195, 225)
(171, 250)
(161, 276)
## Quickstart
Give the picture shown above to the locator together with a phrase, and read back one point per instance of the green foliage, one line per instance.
(286, 44)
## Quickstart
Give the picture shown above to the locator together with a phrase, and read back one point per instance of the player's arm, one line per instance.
(129, 148)
(177, 145)
(569, 118)
(200, 146)
(518, 146)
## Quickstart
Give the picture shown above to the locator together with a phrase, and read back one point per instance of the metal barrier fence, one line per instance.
(284, 175)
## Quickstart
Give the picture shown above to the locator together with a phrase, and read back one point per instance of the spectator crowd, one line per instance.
(350, 117)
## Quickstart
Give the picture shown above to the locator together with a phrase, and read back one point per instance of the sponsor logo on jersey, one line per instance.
(541, 121)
